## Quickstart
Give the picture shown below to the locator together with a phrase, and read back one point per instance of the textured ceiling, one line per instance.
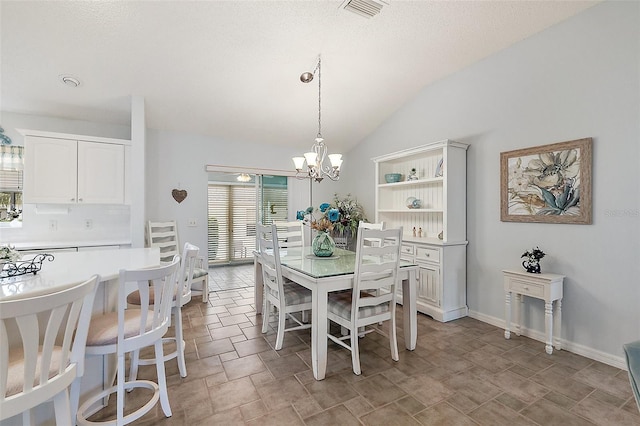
(230, 69)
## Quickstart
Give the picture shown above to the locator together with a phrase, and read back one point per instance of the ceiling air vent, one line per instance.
(366, 8)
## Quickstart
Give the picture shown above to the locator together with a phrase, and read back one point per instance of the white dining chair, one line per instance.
(287, 297)
(164, 235)
(182, 296)
(43, 366)
(128, 330)
(368, 225)
(290, 234)
(376, 267)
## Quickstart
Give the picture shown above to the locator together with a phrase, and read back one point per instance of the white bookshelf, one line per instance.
(442, 277)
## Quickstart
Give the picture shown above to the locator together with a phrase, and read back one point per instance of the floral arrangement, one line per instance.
(532, 262)
(533, 255)
(9, 254)
(326, 222)
(351, 213)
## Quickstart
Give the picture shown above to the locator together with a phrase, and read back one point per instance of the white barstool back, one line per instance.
(128, 330)
(39, 369)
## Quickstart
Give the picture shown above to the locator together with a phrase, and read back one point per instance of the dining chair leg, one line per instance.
(205, 290)
(355, 352)
(162, 379)
(393, 341)
(182, 366)
(266, 315)
(282, 316)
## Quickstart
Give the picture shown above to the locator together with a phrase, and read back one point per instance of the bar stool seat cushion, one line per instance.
(15, 376)
(103, 329)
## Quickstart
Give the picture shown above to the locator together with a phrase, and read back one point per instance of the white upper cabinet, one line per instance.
(50, 170)
(100, 173)
(62, 170)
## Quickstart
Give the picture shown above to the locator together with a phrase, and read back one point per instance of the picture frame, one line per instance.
(547, 183)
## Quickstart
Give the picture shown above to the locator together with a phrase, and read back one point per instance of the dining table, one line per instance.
(69, 268)
(323, 275)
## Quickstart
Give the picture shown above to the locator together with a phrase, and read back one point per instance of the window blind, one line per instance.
(10, 180)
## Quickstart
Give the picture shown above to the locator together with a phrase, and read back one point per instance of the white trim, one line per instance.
(594, 354)
(41, 133)
(420, 149)
(249, 170)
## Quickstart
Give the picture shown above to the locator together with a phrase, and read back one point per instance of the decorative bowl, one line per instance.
(393, 177)
(413, 203)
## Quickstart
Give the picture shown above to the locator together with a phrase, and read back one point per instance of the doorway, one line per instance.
(236, 202)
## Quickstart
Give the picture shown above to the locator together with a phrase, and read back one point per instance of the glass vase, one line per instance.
(323, 245)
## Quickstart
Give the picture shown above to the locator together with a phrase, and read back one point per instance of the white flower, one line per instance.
(8, 253)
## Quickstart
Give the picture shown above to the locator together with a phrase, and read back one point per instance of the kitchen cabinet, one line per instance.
(430, 205)
(63, 169)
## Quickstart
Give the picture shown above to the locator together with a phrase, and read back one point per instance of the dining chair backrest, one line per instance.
(155, 313)
(290, 234)
(376, 267)
(52, 331)
(268, 243)
(367, 225)
(185, 275)
(163, 234)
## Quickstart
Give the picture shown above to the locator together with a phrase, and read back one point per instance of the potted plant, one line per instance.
(532, 261)
(323, 244)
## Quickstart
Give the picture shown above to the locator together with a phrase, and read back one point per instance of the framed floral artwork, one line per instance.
(547, 184)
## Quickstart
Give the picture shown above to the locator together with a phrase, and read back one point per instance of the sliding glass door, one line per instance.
(237, 202)
(231, 221)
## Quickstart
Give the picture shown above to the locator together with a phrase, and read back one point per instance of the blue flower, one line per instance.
(324, 207)
(309, 210)
(300, 215)
(334, 215)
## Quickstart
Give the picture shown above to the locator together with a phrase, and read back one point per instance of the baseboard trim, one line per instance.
(596, 355)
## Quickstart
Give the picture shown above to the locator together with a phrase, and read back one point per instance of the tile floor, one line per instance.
(462, 373)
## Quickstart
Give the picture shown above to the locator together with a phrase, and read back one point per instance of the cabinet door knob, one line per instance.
(80, 199)
(73, 199)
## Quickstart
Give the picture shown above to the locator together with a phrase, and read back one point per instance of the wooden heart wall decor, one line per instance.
(179, 195)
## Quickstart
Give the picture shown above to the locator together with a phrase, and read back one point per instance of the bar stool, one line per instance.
(127, 330)
(181, 297)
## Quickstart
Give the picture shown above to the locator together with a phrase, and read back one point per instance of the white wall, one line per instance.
(578, 79)
(178, 160)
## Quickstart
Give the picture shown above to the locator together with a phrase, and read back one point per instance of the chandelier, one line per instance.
(315, 159)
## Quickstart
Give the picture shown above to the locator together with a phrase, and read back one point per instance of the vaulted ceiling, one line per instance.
(230, 69)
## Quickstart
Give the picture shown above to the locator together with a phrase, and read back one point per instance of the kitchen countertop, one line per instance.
(74, 267)
(64, 244)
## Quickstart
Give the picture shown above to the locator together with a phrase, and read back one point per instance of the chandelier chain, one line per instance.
(319, 99)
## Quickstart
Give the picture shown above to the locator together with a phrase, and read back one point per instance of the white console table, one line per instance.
(547, 287)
